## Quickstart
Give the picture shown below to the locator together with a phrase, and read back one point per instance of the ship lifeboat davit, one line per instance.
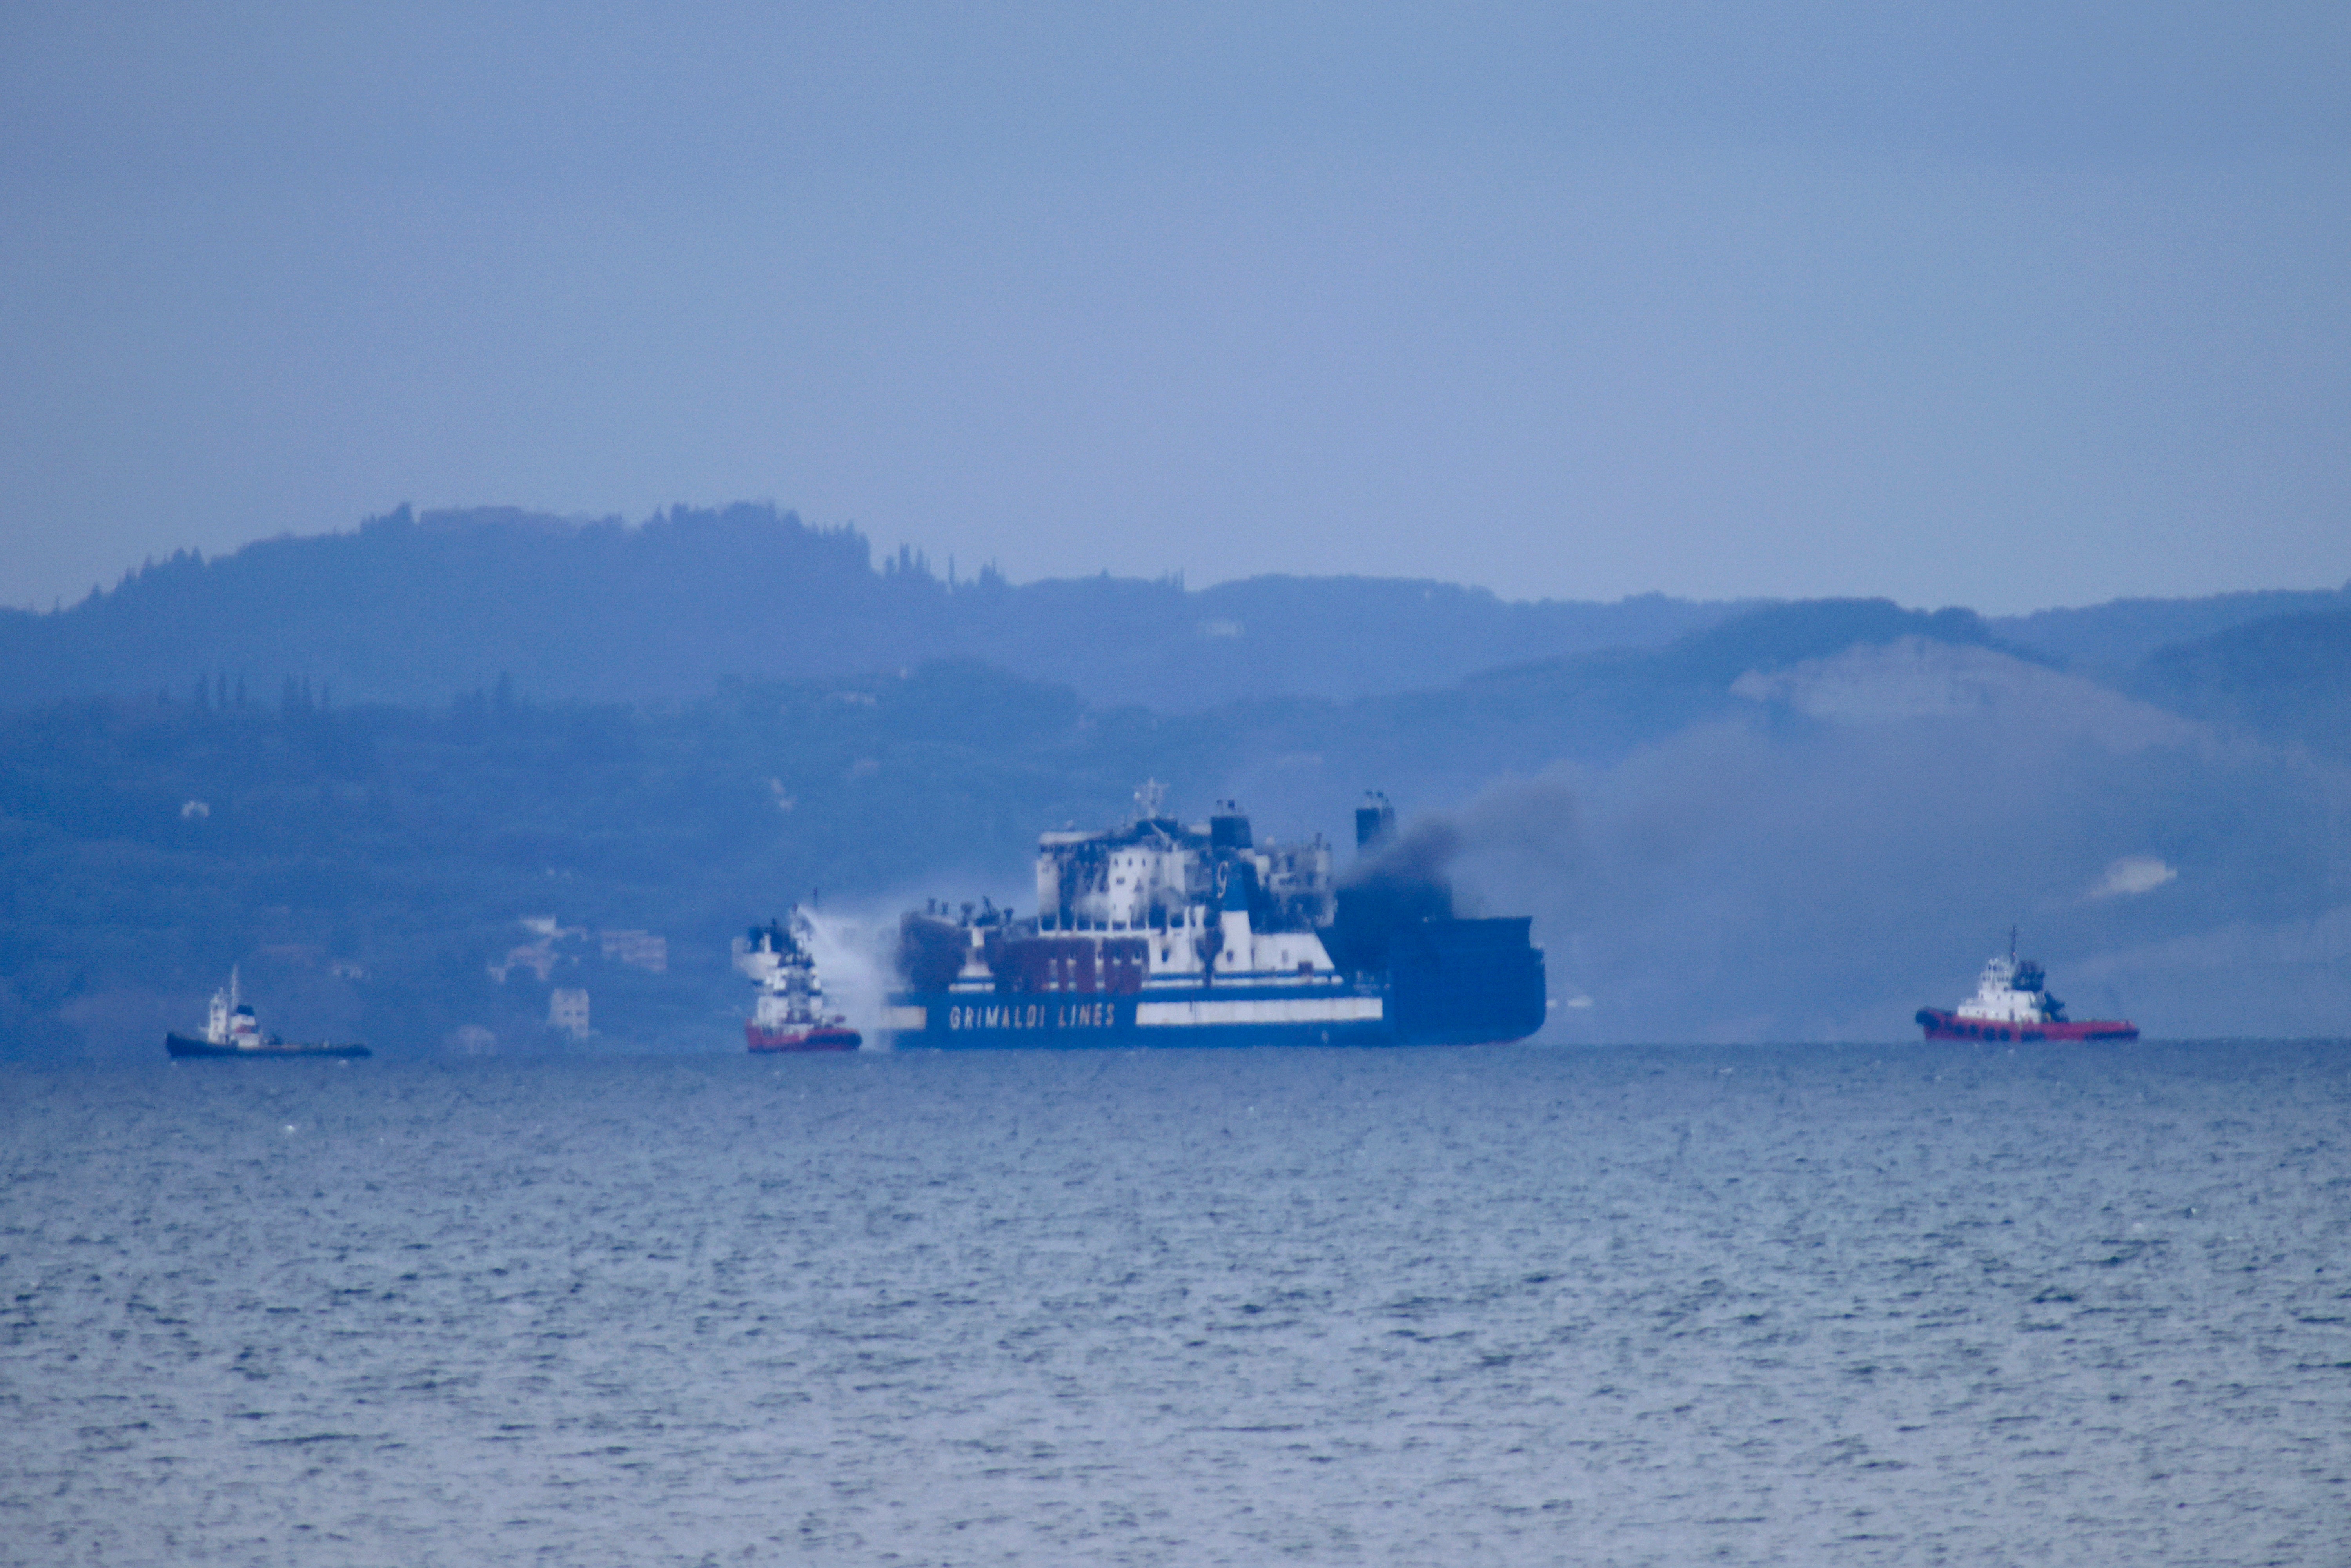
(2013, 1003)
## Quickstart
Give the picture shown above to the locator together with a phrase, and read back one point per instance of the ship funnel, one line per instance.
(1228, 828)
(1374, 821)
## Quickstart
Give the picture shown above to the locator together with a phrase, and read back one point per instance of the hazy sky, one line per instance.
(1999, 304)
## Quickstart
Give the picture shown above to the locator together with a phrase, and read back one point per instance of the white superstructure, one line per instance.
(231, 1022)
(777, 957)
(1202, 899)
(2010, 992)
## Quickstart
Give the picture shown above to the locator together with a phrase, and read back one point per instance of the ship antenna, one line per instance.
(2012, 944)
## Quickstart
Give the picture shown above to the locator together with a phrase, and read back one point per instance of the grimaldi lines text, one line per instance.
(1162, 933)
(1035, 1015)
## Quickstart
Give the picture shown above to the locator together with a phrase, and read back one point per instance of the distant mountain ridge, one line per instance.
(2120, 634)
(416, 607)
(413, 608)
(2285, 678)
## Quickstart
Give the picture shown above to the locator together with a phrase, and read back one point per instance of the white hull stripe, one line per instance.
(1271, 1010)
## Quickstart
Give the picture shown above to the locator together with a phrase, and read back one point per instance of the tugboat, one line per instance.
(231, 1030)
(2012, 1002)
(1166, 933)
(791, 1013)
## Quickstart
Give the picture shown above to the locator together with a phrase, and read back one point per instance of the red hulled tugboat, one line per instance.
(2012, 1002)
(791, 1013)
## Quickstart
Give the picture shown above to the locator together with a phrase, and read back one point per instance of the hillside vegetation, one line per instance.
(1799, 822)
(411, 608)
(2287, 678)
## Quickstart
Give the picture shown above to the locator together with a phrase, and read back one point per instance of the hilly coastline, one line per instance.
(482, 778)
(413, 608)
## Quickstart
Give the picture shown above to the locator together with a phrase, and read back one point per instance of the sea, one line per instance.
(1806, 1304)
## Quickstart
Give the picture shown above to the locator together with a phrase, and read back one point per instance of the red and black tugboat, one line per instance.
(2013, 1003)
(792, 1014)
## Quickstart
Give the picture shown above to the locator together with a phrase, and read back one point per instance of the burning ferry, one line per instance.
(2012, 1002)
(1166, 932)
(790, 1014)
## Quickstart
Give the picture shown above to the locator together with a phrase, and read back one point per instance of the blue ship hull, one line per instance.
(952, 1021)
(1451, 982)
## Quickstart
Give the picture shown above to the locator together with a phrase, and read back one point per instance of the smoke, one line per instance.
(1534, 826)
(1533, 822)
(1753, 882)
(1421, 854)
(2133, 874)
(1809, 870)
(1847, 847)
(853, 958)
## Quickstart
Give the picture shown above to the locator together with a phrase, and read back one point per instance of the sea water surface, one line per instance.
(1802, 1305)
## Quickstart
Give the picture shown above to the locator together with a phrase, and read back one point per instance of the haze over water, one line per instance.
(1806, 1304)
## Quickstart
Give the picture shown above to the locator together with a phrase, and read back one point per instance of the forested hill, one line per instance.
(2115, 636)
(1799, 824)
(416, 607)
(2287, 678)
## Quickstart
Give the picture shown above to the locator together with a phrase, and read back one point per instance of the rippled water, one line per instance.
(1802, 1305)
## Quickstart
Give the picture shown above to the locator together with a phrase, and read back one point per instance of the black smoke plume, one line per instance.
(1530, 824)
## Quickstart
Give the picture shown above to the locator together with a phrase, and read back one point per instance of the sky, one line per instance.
(2002, 305)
